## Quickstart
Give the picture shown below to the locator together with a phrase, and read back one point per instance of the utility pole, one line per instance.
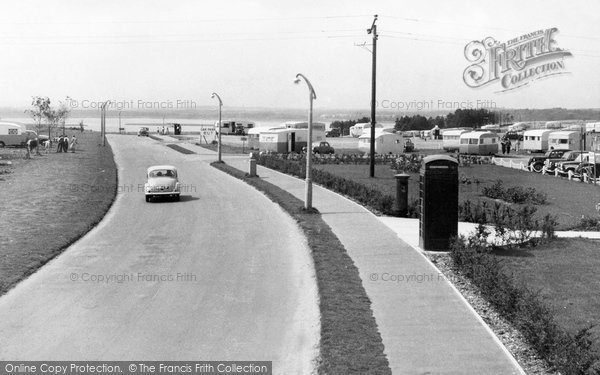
(373, 30)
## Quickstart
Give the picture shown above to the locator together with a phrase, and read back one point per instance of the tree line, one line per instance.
(472, 118)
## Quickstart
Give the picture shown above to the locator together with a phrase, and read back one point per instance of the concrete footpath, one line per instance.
(426, 325)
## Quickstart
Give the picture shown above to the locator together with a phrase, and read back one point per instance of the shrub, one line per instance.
(570, 354)
(514, 194)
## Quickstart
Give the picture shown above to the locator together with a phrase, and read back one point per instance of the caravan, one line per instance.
(451, 139)
(13, 134)
(478, 143)
(536, 140)
(385, 142)
(357, 130)
(564, 140)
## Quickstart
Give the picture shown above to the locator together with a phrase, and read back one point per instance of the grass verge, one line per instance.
(350, 340)
(50, 201)
(566, 200)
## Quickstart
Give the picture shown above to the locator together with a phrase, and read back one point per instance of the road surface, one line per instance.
(224, 274)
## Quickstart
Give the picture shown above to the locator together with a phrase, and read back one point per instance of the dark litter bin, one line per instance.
(438, 194)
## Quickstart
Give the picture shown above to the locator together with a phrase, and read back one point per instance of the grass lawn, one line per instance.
(226, 149)
(565, 271)
(350, 340)
(50, 201)
(567, 200)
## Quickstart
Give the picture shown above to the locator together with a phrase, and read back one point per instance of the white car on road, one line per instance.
(162, 182)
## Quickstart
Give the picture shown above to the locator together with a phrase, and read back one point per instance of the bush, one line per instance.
(570, 354)
(514, 194)
(367, 195)
(512, 225)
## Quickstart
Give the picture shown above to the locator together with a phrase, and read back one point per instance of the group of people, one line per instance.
(65, 144)
(163, 131)
(506, 145)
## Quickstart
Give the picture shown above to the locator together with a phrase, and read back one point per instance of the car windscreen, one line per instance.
(162, 173)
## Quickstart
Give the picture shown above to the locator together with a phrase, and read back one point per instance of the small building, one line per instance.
(479, 143)
(536, 140)
(564, 140)
(386, 142)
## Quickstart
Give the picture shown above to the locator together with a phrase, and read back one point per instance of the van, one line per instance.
(13, 134)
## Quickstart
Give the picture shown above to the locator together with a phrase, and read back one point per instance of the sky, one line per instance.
(144, 54)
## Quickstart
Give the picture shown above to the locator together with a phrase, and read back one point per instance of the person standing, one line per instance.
(508, 145)
(59, 146)
(65, 143)
(503, 145)
(73, 143)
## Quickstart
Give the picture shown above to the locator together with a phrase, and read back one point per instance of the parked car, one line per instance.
(162, 181)
(514, 136)
(587, 168)
(409, 146)
(536, 163)
(571, 162)
(143, 132)
(333, 132)
(323, 148)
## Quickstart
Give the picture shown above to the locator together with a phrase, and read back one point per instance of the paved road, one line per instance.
(237, 279)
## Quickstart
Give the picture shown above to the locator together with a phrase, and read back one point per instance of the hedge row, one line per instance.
(569, 354)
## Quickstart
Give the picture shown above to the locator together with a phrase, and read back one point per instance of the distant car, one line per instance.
(536, 163)
(143, 132)
(569, 162)
(409, 146)
(587, 168)
(514, 136)
(323, 148)
(333, 132)
(162, 181)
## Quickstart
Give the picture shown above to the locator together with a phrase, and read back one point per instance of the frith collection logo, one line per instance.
(515, 63)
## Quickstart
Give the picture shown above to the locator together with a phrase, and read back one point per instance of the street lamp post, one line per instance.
(311, 96)
(220, 105)
(103, 121)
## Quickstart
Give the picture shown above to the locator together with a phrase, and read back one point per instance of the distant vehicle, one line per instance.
(385, 142)
(13, 134)
(520, 126)
(514, 135)
(409, 146)
(234, 127)
(536, 163)
(357, 130)
(588, 169)
(323, 148)
(143, 132)
(478, 143)
(333, 132)
(536, 140)
(572, 160)
(564, 140)
(451, 139)
(162, 181)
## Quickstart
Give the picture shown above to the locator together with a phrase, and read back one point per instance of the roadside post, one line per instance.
(401, 194)
(438, 200)
(252, 171)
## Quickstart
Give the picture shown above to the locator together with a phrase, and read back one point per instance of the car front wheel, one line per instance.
(537, 167)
